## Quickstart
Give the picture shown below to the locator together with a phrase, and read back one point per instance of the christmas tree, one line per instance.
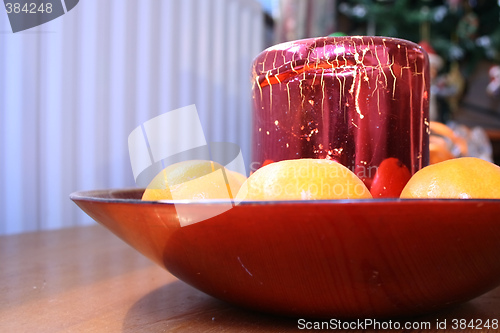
(460, 31)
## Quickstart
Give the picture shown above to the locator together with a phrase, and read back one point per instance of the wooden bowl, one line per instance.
(330, 259)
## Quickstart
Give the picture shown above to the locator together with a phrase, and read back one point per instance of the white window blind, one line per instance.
(73, 89)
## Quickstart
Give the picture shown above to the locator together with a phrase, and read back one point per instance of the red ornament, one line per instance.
(390, 179)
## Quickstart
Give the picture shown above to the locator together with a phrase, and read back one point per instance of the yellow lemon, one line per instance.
(465, 177)
(303, 179)
(193, 180)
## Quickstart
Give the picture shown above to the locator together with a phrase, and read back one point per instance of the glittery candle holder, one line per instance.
(355, 100)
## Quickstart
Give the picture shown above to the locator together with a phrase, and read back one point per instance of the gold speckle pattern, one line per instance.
(362, 99)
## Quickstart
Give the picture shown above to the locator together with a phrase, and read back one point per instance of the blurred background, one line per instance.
(73, 89)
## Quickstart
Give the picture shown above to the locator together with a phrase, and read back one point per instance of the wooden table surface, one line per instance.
(87, 280)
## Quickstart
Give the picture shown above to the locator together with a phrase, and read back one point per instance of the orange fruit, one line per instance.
(193, 180)
(442, 141)
(464, 177)
(390, 179)
(303, 179)
(438, 150)
(440, 129)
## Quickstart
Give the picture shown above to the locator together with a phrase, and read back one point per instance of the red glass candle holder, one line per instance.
(356, 100)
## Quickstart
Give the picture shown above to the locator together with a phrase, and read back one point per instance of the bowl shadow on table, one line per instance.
(181, 308)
